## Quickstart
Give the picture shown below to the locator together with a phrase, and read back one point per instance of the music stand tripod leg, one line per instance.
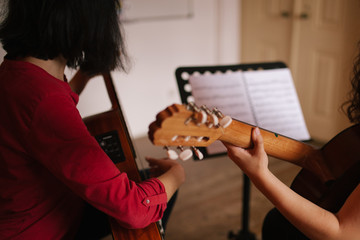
(244, 233)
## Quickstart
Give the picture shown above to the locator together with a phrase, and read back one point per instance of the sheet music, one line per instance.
(275, 102)
(225, 91)
(265, 98)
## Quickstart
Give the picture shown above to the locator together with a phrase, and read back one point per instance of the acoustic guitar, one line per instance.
(109, 129)
(328, 174)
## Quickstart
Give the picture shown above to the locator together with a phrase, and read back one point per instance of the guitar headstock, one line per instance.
(181, 125)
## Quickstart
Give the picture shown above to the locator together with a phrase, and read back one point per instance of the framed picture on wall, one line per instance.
(148, 10)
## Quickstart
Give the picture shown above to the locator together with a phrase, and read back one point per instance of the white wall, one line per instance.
(157, 48)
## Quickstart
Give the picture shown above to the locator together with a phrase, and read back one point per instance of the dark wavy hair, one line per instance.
(87, 33)
(352, 106)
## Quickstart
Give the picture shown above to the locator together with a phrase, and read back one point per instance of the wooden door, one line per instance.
(266, 30)
(317, 40)
(325, 34)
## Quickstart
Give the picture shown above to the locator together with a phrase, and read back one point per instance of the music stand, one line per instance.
(182, 76)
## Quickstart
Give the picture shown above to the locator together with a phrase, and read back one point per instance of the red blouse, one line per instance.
(49, 163)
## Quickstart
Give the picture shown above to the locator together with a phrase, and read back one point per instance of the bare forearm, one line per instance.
(312, 220)
(172, 180)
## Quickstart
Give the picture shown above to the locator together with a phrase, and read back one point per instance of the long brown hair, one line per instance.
(353, 104)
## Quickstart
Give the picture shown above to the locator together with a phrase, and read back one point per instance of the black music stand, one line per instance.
(182, 76)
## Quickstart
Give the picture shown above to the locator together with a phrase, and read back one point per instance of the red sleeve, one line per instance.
(59, 140)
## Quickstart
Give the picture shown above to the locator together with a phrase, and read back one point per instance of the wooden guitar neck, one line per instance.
(178, 125)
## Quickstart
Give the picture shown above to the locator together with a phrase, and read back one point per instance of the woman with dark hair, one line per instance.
(49, 164)
(294, 217)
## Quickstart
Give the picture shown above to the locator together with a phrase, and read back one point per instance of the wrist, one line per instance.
(260, 175)
(172, 179)
(179, 172)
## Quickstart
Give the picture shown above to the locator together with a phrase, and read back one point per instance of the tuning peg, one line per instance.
(199, 139)
(174, 138)
(225, 120)
(185, 154)
(192, 106)
(201, 118)
(214, 119)
(199, 115)
(198, 153)
(171, 153)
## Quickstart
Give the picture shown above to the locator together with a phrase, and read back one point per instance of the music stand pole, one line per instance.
(244, 233)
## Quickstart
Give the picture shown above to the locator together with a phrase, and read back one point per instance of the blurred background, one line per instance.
(317, 39)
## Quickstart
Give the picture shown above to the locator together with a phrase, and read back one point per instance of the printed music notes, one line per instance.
(265, 98)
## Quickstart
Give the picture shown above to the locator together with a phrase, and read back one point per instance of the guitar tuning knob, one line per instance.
(192, 106)
(225, 121)
(185, 154)
(199, 115)
(198, 153)
(214, 118)
(171, 153)
(202, 117)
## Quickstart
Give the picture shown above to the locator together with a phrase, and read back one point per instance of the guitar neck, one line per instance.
(179, 126)
(278, 146)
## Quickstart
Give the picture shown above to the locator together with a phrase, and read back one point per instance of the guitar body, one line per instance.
(342, 158)
(328, 175)
(109, 129)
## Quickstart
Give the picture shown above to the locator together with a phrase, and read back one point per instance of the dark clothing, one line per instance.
(276, 227)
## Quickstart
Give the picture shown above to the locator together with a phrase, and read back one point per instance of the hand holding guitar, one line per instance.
(323, 199)
(253, 161)
(170, 173)
(160, 166)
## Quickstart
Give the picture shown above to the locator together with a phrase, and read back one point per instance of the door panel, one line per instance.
(323, 65)
(266, 30)
(317, 39)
